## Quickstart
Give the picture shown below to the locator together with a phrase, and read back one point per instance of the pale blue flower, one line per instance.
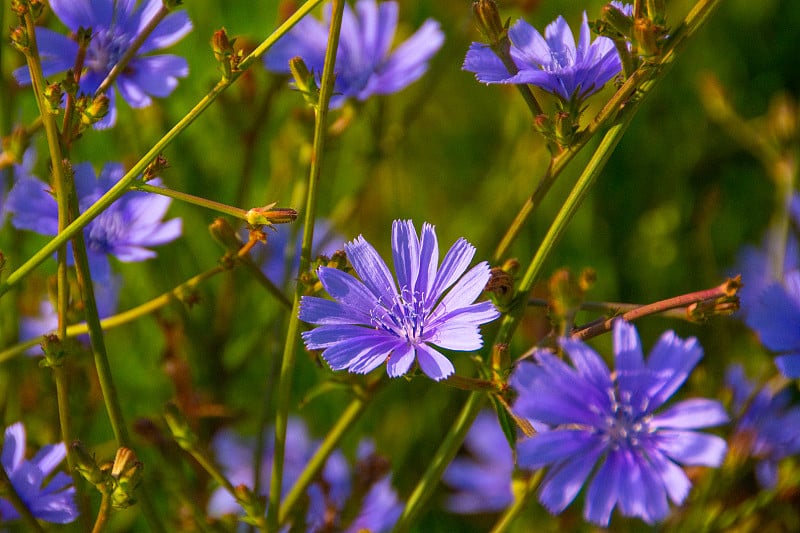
(364, 64)
(607, 423)
(125, 230)
(51, 502)
(553, 62)
(376, 318)
(115, 24)
(767, 424)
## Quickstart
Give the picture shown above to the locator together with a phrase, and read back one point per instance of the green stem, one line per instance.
(225, 209)
(125, 182)
(332, 439)
(102, 514)
(640, 83)
(444, 455)
(130, 315)
(292, 333)
(132, 49)
(511, 514)
(61, 186)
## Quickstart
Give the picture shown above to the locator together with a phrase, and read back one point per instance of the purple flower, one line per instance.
(768, 426)
(52, 503)
(327, 497)
(625, 8)
(611, 419)
(364, 65)
(370, 320)
(482, 481)
(776, 318)
(125, 230)
(552, 62)
(279, 257)
(115, 24)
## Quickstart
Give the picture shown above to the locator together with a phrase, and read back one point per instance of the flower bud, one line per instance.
(127, 472)
(223, 52)
(54, 351)
(86, 465)
(649, 36)
(83, 36)
(489, 22)
(305, 80)
(19, 38)
(53, 95)
(268, 215)
(155, 167)
(782, 118)
(95, 111)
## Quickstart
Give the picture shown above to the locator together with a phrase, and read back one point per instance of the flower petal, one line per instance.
(435, 365)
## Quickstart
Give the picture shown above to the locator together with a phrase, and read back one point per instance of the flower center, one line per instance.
(107, 231)
(625, 426)
(404, 316)
(105, 50)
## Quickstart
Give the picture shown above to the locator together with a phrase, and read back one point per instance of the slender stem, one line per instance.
(640, 83)
(10, 493)
(292, 333)
(725, 290)
(314, 466)
(225, 209)
(102, 513)
(122, 185)
(132, 49)
(130, 315)
(444, 455)
(471, 384)
(513, 511)
(61, 187)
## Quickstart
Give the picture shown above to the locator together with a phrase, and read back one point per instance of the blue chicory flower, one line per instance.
(115, 25)
(482, 481)
(364, 64)
(769, 303)
(776, 318)
(767, 425)
(54, 502)
(370, 320)
(125, 230)
(553, 62)
(611, 419)
(327, 497)
(624, 7)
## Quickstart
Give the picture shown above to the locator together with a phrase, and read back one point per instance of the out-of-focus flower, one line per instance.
(482, 481)
(115, 25)
(553, 62)
(364, 64)
(768, 426)
(279, 257)
(125, 230)
(776, 318)
(54, 502)
(610, 420)
(771, 305)
(370, 320)
(327, 497)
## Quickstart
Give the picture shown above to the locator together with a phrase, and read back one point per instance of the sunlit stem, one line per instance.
(293, 329)
(317, 462)
(125, 182)
(225, 209)
(516, 508)
(641, 82)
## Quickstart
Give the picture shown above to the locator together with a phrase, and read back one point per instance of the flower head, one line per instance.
(482, 481)
(125, 230)
(52, 503)
(611, 419)
(375, 318)
(553, 62)
(115, 25)
(767, 427)
(364, 64)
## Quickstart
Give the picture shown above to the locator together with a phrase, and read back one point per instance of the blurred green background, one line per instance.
(675, 204)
